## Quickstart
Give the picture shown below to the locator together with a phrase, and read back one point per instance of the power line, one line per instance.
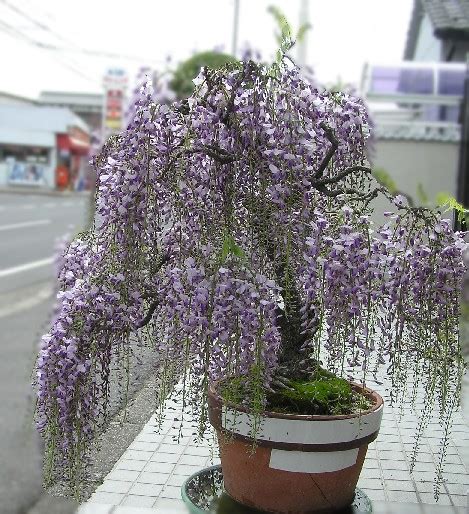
(67, 64)
(15, 33)
(75, 48)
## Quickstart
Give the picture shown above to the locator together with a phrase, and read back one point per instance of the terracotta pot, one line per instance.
(299, 464)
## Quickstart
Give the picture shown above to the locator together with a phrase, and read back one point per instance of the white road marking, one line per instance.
(26, 303)
(26, 267)
(50, 205)
(24, 224)
(29, 206)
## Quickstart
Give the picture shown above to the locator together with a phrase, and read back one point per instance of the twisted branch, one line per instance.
(330, 153)
(155, 302)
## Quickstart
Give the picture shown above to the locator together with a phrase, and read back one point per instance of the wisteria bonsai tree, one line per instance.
(234, 233)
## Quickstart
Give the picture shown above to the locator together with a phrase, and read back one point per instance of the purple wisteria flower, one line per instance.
(234, 234)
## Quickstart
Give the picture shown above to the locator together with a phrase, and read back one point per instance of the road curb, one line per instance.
(42, 192)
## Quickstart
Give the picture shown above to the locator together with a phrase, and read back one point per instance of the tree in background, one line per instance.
(185, 73)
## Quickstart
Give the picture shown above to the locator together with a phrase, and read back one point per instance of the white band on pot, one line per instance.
(299, 431)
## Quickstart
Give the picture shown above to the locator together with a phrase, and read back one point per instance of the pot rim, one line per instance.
(367, 392)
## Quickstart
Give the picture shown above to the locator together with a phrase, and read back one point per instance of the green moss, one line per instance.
(322, 394)
(326, 394)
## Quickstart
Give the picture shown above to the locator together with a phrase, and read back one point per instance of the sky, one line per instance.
(345, 35)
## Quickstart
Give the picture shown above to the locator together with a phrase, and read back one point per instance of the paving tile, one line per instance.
(213, 461)
(422, 458)
(152, 478)
(114, 486)
(424, 476)
(171, 448)
(171, 491)
(139, 501)
(148, 437)
(443, 499)
(169, 439)
(152, 429)
(123, 475)
(199, 450)
(458, 489)
(455, 469)
(95, 508)
(389, 438)
(130, 465)
(193, 460)
(424, 487)
(388, 428)
(402, 496)
(109, 498)
(394, 464)
(395, 447)
(371, 463)
(137, 455)
(454, 459)
(148, 489)
(370, 483)
(177, 480)
(144, 446)
(423, 466)
(185, 469)
(169, 506)
(396, 474)
(370, 473)
(460, 500)
(375, 494)
(165, 457)
(126, 509)
(399, 485)
(456, 478)
(159, 467)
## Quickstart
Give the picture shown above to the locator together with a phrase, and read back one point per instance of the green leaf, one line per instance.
(225, 251)
(302, 31)
(383, 177)
(283, 25)
(231, 248)
(444, 199)
(421, 194)
(237, 251)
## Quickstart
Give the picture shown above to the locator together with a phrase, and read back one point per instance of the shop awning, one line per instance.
(73, 144)
(26, 137)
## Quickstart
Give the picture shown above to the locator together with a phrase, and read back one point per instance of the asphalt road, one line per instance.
(29, 226)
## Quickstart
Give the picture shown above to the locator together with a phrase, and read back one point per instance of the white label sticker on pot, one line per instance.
(312, 462)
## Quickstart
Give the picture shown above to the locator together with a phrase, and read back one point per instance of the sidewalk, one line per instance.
(148, 476)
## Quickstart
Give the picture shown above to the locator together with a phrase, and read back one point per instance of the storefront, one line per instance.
(42, 147)
(72, 155)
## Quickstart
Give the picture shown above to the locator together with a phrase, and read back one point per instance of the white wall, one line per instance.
(430, 163)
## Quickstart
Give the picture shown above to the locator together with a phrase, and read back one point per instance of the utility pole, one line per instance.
(303, 44)
(234, 45)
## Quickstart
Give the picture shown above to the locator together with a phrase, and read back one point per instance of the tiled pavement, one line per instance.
(148, 476)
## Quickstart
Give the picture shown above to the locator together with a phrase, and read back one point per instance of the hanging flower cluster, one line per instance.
(233, 231)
